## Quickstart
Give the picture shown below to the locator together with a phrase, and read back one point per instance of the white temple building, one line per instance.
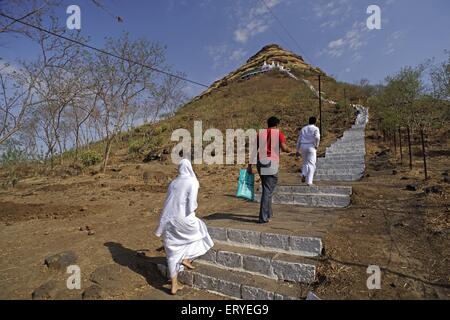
(268, 67)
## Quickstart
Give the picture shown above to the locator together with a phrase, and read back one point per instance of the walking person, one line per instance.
(270, 141)
(185, 236)
(307, 144)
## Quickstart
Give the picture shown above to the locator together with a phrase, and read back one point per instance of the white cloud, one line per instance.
(238, 54)
(223, 54)
(393, 40)
(333, 13)
(253, 21)
(351, 43)
(336, 43)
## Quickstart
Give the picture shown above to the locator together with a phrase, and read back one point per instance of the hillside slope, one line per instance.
(232, 103)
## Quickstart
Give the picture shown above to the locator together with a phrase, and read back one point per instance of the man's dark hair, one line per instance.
(312, 120)
(273, 122)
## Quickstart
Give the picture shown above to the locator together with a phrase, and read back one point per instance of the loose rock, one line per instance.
(434, 189)
(61, 260)
(46, 291)
(411, 187)
(93, 292)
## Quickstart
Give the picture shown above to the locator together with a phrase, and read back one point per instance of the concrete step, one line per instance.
(322, 171)
(348, 160)
(353, 135)
(341, 146)
(359, 166)
(281, 243)
(331, 160)
(304, 189)
(309, 200)
(335, 177)
(345, 157)
(353, 145)
(345, 152)
(347, 147)
(350, 143)
(355, 128)
(272, 265)
(343, 166)
(238, 285)
(338, 161)
(359, 130)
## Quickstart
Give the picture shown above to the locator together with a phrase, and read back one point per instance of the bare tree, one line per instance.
(24, 10)
(57, 73)
(17, 97)
(164, 99)
(121, 84)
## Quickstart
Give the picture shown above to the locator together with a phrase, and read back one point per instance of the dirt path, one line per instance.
(405, 232)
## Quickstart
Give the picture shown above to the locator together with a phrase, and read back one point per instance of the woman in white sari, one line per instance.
(185, 236)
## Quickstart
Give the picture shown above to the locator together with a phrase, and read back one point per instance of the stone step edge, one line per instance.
(278, 189)
(283, 243)
(211, 259)
(189, 278)
(336, 203)
(334, 195)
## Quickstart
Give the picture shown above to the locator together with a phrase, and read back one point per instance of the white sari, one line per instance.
(185, 236)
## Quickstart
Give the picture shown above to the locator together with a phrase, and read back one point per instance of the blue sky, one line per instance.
(206, 39)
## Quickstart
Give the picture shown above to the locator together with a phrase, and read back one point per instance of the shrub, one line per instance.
(136, 146)
(90, 158)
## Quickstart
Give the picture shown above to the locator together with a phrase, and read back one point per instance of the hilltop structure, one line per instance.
(270, 57)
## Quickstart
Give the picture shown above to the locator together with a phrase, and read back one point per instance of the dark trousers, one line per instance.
(268, 182)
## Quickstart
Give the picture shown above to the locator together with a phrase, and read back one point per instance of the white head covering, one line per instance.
(181, 199)
(185, 169)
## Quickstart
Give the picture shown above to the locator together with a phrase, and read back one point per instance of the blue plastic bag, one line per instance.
(246, 185)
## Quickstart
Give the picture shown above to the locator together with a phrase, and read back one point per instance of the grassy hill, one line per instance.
(232, 103)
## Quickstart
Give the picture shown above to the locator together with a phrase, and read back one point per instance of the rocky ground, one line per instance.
(104, 223)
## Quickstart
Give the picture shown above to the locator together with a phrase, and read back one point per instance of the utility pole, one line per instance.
(320, 104)
(345, 99)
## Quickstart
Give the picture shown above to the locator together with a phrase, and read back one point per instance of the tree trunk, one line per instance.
(395, 144)
(52, 164)
(400, 144)
(77, 144)
(424, 154)
(409, 147)
(106, 154)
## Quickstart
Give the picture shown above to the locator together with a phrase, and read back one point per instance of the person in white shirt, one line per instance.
(307, 144)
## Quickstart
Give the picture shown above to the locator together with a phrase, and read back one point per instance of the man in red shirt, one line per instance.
(270, 141)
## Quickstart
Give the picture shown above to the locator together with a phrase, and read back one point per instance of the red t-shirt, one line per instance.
(266, 134)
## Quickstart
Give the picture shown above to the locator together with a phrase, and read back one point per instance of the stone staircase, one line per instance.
(316, 196)
(278, 261)
(258, 262)
(345, 159)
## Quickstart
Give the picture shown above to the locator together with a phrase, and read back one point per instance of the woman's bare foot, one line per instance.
(188, 264)
(175, 288)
